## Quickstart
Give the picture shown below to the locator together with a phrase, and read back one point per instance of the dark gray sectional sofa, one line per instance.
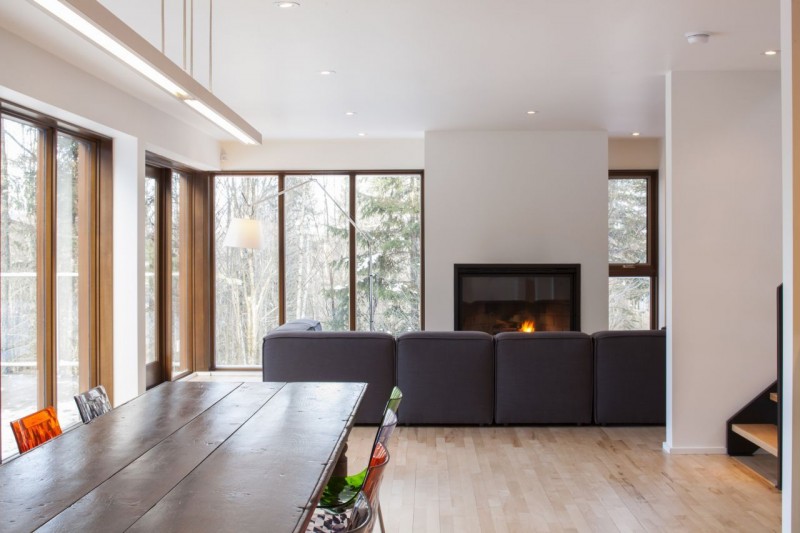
(630, 381)
(335, 356)
(446, 377)
(467, 377)
(543, 378)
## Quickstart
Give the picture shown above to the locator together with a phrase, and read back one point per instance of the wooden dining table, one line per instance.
(187, 456)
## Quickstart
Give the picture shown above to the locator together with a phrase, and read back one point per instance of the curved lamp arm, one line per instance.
(232, 238)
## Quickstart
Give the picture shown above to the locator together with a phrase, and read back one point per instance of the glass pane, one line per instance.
(150, 251)
(388, 211)
(317, 251)
(179, 363)
(246, 295)
(73, 165)
(627, 220)
(629, 303)
(21, 161)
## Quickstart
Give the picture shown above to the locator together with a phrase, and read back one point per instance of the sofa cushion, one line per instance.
(446, 377)
(544, 378)
(335, 356)
(630, 377)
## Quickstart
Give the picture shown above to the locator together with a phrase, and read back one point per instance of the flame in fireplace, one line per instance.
(527, 327)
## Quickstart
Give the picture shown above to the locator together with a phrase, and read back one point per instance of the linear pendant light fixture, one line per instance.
(99, 25)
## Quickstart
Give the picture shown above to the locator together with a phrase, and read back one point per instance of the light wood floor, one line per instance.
(520, 479)
(541, 479)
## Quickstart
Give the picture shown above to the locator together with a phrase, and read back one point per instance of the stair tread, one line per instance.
(773, 396)
(763, 435)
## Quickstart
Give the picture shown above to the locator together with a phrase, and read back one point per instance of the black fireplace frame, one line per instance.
(514, 269)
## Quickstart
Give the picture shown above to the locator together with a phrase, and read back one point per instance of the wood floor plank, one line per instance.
(541, 479)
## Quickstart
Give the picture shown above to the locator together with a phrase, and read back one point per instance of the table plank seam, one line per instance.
(206, 458)
(331, 464)
(137, 457)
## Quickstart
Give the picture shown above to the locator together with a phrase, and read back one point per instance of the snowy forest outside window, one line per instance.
(314, 263)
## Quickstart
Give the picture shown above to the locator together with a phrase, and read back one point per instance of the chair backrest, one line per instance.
(389, 421)
(32, 430)
(93, 403)
(387, 428)
(372, 483)
(394, 400)
(361, 519)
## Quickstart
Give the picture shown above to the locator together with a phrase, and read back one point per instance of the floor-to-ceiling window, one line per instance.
(323, 240)
(246, 279)
(167, 264)
(49, 183)
(632, 249)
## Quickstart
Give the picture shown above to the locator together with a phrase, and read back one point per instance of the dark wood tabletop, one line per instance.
(187, 456)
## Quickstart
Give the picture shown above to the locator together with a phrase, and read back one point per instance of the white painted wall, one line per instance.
(135, 127)
(634, 154)
(516, 197)
(360, 154)
(790, 97)
(724, 249)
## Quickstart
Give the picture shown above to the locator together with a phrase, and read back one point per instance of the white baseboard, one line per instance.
(673, 450)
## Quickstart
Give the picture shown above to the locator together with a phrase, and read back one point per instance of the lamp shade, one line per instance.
(244, 233)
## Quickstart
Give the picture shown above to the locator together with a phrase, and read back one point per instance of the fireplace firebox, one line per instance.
(500, 298)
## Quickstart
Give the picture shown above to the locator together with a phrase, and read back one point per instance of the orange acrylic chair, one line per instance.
(33, 430)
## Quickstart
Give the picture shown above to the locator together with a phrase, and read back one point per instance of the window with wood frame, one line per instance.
(167, 266)
(55, 224)
(632, 249)
(312, 262)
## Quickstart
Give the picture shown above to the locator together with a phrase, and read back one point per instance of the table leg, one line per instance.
(340, 470)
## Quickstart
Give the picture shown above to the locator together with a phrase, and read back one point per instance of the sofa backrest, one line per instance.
(335, 356)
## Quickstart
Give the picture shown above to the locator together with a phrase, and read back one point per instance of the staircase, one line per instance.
(756, 428)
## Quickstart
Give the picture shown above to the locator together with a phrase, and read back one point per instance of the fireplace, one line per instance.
(499, 298)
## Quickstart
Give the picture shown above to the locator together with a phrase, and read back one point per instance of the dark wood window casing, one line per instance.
(193, 249)
(94, 254)
(351, 209)
(650, 268)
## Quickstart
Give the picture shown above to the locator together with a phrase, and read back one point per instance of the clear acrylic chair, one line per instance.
(358, 519)
(93, 403)
(345, 517)
(35, 429)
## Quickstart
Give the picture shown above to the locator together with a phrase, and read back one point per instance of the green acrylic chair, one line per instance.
(341, 492)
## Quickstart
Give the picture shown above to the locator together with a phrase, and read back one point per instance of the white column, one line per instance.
(790, 26)
(129, 362)
(723, 249)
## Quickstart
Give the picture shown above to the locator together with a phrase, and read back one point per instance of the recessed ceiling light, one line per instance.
(286, 5)
(531, 112)
(635, 133)
(697, 37)
(327, 72)
(771, 52)
(362, 134)
(350, 113)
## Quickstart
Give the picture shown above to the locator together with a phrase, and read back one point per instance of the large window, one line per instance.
(166, 271)
(632, 249)
(247, 284)
(49, 238)
(326, 239)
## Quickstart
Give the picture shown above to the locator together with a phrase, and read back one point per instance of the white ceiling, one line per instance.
(410, 66)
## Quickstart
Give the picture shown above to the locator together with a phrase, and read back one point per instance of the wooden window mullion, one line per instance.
(164, 272)
(353, 254)
(47, 272)
(281, 250)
